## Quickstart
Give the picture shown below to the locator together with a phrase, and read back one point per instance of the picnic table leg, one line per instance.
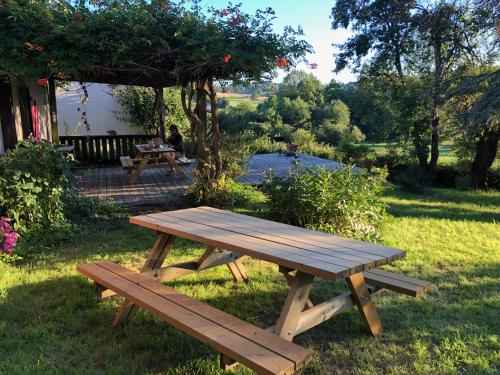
(238, 271)
(294, 305)
(236, 268)
(364, 303)
(161, 248)
(138, 168)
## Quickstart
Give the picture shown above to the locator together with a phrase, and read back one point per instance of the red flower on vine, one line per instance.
(281, 63)
(227, 58)
(39, 48)
(225, 12)
(44, 82)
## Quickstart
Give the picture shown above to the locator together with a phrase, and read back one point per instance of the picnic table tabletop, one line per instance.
(146, 149)
(295, 248)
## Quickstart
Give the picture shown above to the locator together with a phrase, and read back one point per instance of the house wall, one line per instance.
(14, 110)
(41, 95)
(104, 113)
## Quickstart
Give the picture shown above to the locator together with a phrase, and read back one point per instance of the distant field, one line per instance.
(235, 99)
(446, 154)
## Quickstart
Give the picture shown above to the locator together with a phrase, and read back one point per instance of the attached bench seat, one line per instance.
(396, 282)
(127, 162)
(254, 347)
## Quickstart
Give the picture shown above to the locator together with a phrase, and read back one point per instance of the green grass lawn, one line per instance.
(51, 323)
(239, 99)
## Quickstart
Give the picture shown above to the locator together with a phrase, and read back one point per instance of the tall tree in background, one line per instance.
(397, 38)
(476, 115)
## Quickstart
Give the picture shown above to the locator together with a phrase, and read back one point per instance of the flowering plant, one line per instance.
(8, 237)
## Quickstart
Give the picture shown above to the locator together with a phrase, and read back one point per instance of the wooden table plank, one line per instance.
(292, 352)
(384, 251)
(282, 234)
(368, 260)
(330, 257)
(243, 245)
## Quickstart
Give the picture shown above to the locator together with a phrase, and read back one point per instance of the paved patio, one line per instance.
(112, 182)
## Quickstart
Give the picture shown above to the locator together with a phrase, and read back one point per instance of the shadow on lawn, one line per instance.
(69, 328)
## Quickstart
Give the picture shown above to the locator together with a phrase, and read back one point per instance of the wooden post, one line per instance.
(294, 305)
(53, 111)
(160, 101)
(6, 115)
(164, 242)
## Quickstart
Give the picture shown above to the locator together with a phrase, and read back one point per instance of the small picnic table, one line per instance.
(301, 255)
(150, 157)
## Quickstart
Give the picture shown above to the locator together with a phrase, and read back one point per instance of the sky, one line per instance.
(314, 18)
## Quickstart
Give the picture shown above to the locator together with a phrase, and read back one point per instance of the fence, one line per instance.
(104, 149)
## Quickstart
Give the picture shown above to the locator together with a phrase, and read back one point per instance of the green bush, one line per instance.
(33, 178)
(307, 144)
(228, 194)
(341, 201)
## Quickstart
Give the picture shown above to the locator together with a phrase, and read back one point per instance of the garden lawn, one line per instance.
(50, 321)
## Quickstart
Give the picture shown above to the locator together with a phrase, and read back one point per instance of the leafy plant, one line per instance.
(139, 104)
(228, 194)
(8, 237)
(33, 178)
(341, 201)
(307, 144)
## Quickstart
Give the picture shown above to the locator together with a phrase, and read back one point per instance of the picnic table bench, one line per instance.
(301, 255)
(152, 157)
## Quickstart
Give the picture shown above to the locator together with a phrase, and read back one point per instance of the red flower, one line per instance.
(225, 12)
(44, 82)
(314, 66)
(386, 166)
(281, 63)
(227, 58)
(39, 48)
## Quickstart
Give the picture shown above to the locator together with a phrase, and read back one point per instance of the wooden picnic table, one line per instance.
(302, 255)
(150, 157)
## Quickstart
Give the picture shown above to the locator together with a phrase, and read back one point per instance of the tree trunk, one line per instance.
(216, 142)
(486, 151)
(160, 106)
(436, 107)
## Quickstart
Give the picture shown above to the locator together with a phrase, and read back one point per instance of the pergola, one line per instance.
(157, 44)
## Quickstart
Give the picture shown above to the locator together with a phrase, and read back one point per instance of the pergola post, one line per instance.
(6, 115)
(160, 105)
(53, 111)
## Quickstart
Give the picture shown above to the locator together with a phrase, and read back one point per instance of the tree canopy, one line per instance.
(126, 37)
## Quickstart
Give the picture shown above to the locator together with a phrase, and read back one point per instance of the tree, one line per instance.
(190, 48)
(424, 39)
(295, 112)
(304, 85)
(476, 108)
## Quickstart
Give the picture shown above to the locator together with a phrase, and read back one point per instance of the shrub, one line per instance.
(341, 201)
(228, 194)
(235, 151)
(8, 237)
(264, 145)
(33, 178)
(307, 144)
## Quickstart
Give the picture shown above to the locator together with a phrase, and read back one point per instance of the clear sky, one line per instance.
(314, 17)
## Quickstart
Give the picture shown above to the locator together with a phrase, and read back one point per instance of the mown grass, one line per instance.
(50, 321)
(240, 99)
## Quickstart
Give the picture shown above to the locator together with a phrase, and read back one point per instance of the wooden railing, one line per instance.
(104, 149)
